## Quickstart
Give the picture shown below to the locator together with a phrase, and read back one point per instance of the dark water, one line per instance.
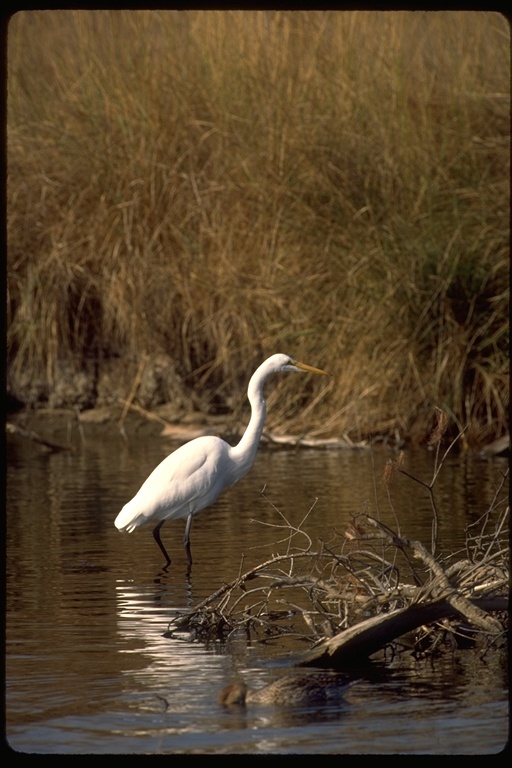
(89, 671)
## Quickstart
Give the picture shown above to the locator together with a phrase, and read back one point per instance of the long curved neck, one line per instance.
(245, 450)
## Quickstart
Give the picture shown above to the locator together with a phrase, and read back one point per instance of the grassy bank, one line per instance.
(219, 186)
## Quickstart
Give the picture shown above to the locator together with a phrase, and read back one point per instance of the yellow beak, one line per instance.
(310, 369)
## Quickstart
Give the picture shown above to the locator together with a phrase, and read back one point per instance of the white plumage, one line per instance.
(192, 477)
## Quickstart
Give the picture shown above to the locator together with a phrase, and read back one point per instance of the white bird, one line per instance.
(192, 477)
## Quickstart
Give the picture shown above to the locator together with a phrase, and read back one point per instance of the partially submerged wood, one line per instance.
(263, 611)
(448, 600)
(302, 441)
(358, 643)
(365, 589)
(17, 429)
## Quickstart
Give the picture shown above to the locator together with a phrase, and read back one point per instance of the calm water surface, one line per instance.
(89, 671)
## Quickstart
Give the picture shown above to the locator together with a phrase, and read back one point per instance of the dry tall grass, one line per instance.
(224, 185)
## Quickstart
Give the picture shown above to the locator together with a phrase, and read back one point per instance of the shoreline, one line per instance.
(63, 428)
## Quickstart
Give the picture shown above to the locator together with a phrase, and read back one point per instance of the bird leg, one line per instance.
(186, 539)
(156, 536)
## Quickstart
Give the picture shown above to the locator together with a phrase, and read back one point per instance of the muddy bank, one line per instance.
(89, 384)
(124, 398)
(120, 397)
(149, 397)
(69, 429)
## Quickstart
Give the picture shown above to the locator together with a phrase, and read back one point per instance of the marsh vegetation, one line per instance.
(189, 192)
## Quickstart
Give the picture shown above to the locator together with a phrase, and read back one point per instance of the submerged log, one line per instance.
(358, 643)
(366, 590)
(16, 429)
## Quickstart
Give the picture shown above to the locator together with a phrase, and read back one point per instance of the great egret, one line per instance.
(192, 477)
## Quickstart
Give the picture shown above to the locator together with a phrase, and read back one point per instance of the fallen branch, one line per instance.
(358, 643)
(30, 435)
(441, 587)
(360, 591)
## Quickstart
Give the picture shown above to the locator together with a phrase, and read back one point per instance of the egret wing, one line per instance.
(185, 482)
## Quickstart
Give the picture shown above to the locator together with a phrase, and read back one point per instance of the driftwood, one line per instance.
(441, 598)
(358, 643)
(366, 589)
(16, 429)
(466, 591)
(298, 441)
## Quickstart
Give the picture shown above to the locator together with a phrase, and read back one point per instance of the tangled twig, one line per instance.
(363, 589)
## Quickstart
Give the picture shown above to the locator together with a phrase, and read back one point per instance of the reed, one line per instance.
(223, 185)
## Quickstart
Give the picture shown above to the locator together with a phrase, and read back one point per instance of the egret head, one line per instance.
(287, 363)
